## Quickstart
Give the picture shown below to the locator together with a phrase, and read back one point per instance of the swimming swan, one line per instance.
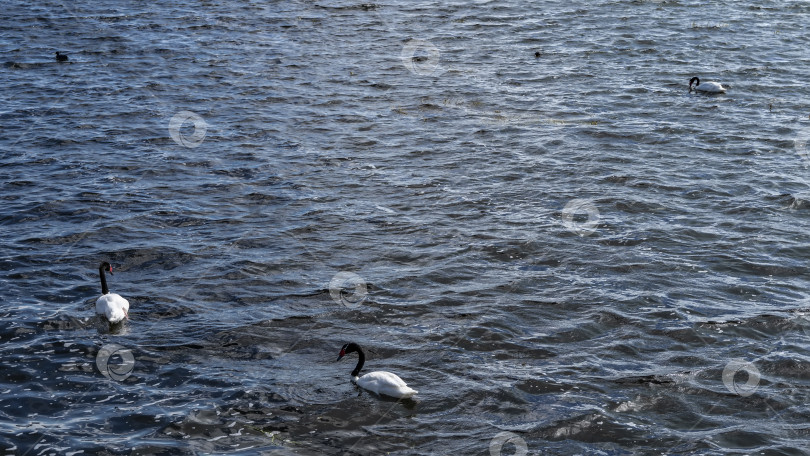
(111, 305)
(378, 382)
(708, 87)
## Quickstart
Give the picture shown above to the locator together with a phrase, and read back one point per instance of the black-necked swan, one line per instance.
(111, 305)
(708, 87)
(378, 382)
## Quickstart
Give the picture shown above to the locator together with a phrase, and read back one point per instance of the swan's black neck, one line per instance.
(360, 362)
(104, 289)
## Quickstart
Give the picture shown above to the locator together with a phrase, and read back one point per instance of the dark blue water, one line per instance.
(565, 253)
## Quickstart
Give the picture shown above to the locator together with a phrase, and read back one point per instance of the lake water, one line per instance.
(517, 207)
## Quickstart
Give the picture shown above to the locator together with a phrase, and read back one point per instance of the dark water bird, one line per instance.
(112, 306)
(708, 87)
(61, 57)
(378, 382)
(537, 54)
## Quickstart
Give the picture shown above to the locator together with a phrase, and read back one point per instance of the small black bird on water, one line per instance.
(61, 57)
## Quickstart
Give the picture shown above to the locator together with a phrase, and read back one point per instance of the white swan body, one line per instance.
(380, 382)
(114, 307)
(385, 383)
(707, 87)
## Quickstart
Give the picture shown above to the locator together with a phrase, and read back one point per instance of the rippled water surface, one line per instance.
(517, 207)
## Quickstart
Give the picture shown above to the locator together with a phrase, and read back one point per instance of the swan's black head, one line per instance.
(105, 267)
(348, 348)
(694, 80)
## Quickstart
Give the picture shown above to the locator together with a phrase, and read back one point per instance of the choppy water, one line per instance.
(564, 254)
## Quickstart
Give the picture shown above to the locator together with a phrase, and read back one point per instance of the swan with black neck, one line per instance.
(380, 382)
(112, 306)
(707, 87)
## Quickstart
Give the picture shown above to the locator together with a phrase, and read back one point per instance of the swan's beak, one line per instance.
(341, 355)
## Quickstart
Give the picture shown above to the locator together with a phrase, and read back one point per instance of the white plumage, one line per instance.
(386, 383)
(114, 307)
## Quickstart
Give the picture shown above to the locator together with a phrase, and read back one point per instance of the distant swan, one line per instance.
(708, 87)
(61, 57)
(111, 305)
(378, 382)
